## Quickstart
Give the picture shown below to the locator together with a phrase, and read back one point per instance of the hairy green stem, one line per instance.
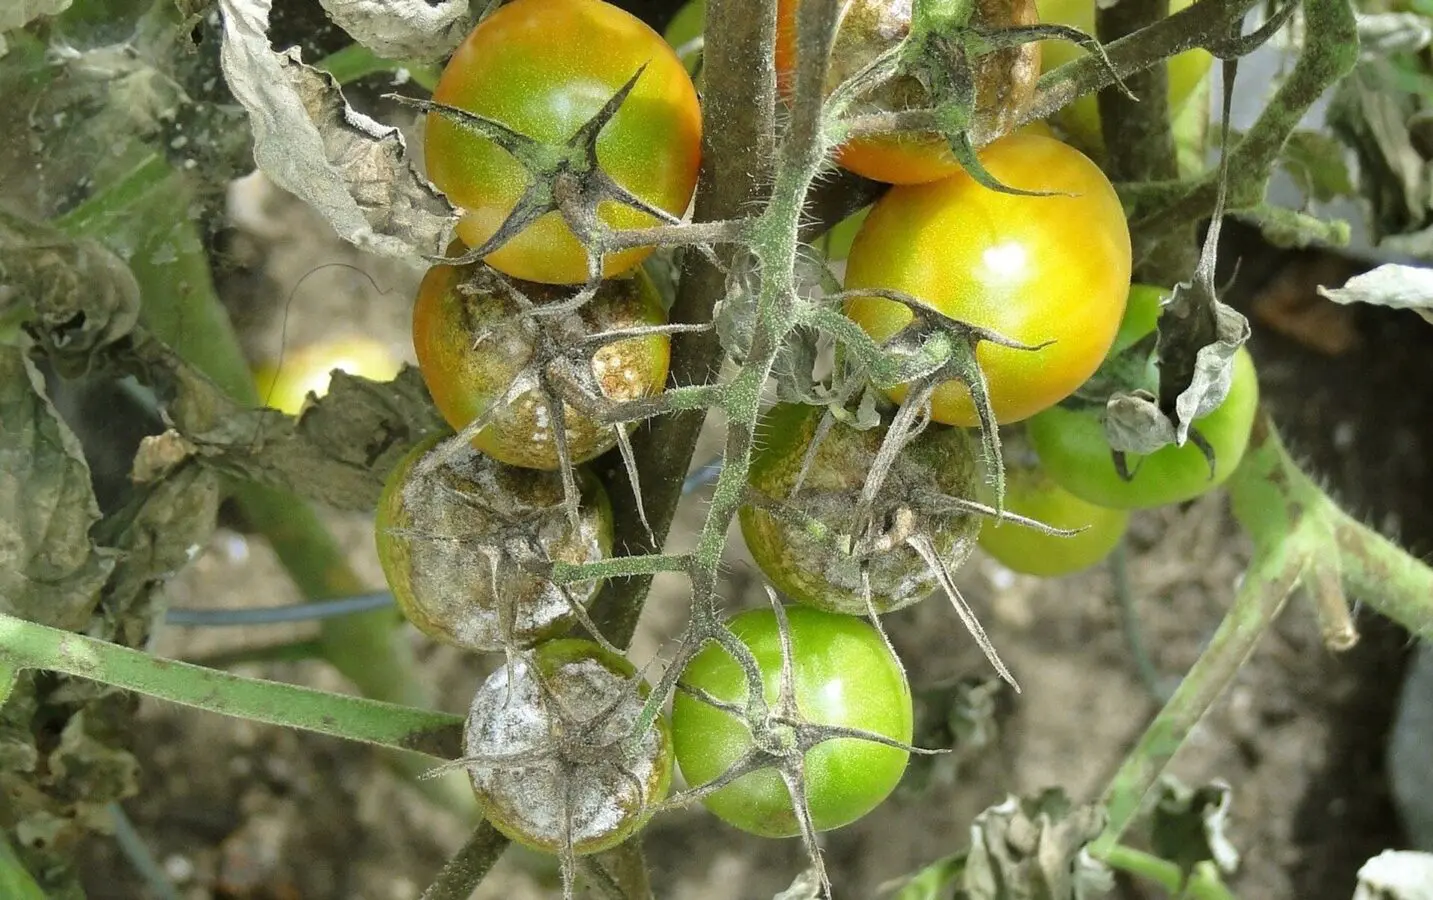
(1301, 537)
(1329, 52)
(1266, 586)
(1201, 24)
(460, 876)
(28, 645)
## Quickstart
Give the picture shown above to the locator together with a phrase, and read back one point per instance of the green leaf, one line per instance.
(15, 882)
(50, 570)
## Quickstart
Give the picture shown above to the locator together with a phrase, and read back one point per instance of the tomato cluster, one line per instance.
(537, 329)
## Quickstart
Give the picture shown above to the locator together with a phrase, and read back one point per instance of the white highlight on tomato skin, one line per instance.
(1006, 261)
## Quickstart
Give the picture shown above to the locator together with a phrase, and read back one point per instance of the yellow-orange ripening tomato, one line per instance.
(1005, 84)
(1082, 117)
(1033, 269)
(285, 384)
(471, 345)
(544, 68)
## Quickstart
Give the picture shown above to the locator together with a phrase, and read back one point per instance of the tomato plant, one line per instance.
(285, 383)
(817, 566)
(549, 750)
(472, 346)
(461, 542)
(1004, 84)
(530, 67)
(1081, 119)
(1036, 269)
(1072, 446)
(1030, 492)
(842, 675)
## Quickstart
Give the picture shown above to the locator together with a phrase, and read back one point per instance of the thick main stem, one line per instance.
(738, 140)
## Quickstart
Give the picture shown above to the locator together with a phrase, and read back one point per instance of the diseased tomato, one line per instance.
(1034, 269)
(586, 782)
(819, 569)
(1073, 449)
(843, 676)
(544, 68)
(1082, 118)
(1031, 493)
(285, 383)
(471, 345)
(459, 545)
(1005, 84)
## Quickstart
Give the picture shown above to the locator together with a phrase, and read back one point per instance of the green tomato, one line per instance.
(1081, 119)
(843, 675)
(1031, 493)
(1072, 447)
(686, 26)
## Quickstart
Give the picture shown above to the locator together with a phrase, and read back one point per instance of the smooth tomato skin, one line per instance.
(1033, 269)
(1005, 84)
(285, 384)
(1031, 493)
(1082, 117)
(544, 68)
(1072, 447)
(465, 375)
(844, 675)
(1141, 317)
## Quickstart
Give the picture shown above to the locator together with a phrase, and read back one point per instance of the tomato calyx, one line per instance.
(781, 736)
(963, 74)
(933, 348)
(567, 179)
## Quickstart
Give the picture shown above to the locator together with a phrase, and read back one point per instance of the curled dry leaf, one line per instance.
(50, 571)
(1392, 285)
(403, 29)
(352, 169)
(1396, 875)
